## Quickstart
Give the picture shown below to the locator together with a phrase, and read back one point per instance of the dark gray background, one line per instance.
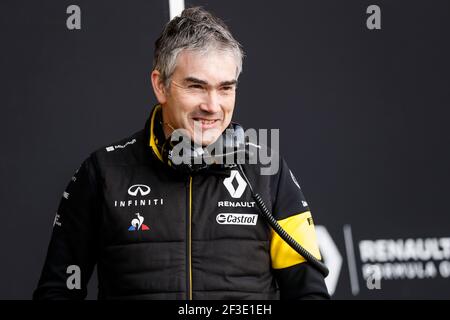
(362, 114)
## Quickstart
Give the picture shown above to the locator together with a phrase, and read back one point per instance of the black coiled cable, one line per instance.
(319, 265)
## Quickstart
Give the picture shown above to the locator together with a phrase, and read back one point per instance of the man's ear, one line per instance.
(158, 87)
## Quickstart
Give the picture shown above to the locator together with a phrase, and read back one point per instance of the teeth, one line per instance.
(206, 121)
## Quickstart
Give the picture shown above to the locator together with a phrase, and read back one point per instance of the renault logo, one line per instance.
(138, 188)
(241, 184)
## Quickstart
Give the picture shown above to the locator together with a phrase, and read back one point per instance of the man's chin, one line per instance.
(207, 137)
(205, 142)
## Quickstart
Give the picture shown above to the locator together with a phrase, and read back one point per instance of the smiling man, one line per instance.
(196, 67)
(156, 230)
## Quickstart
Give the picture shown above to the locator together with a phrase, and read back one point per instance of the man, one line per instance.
(156, 232)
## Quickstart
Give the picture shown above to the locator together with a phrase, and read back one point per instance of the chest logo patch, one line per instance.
(138, 224)
(235, 184)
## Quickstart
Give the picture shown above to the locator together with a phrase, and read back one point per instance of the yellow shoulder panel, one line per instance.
(301, 228)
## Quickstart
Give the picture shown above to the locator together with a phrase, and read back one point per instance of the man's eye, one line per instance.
(227, 88)
(195, 86)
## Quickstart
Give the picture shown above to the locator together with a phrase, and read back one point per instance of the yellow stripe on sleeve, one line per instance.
(301, 228)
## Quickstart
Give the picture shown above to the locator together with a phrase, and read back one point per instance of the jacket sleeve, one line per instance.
(296, 278)
(72, 251)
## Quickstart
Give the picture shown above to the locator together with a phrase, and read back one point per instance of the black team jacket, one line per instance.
(155, 233)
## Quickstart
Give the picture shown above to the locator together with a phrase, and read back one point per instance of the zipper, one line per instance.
(189, 242)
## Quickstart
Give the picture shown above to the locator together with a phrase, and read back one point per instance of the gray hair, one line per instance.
(195, 29)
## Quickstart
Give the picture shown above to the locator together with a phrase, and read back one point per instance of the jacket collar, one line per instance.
(154, 133)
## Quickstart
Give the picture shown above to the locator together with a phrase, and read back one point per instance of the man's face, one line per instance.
(201, 95)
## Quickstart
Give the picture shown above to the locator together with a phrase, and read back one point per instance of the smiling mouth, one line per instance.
(205, 121)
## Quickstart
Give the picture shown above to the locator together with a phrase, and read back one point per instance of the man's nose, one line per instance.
(211, 103)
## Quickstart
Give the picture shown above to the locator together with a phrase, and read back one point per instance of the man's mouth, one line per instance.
(205, 123)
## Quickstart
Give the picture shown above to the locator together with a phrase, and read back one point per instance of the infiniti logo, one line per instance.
(138, 188)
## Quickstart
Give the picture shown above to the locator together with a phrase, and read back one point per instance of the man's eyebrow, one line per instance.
(199, 81)
(228, 83)
(195, 80)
